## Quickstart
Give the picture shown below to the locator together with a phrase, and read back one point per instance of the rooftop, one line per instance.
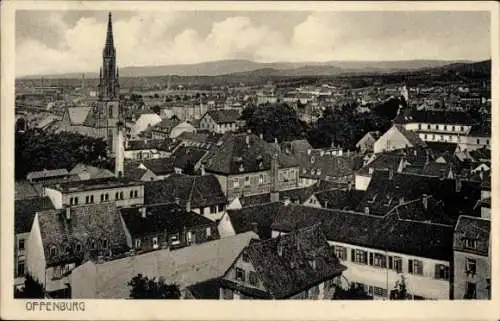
(224, 116)
(476, 230)
(94, 184)
(25, 210)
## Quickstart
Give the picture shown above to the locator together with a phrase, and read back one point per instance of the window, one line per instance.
(236, 183)
(470, 266)
(213, 209)
(105, 244)
(425, 136)
(137, 243)
(252, 278)
(227, 294)
(442, 272)
(155, 242)
(131, 194)
(462, 128)
(488, 288)
(396, 263)
(189, 237)
(487, 142)
(53, 250)
(415, 267)
(174, 239)
(240, 275)
(20, 246)
(341, 252)
(121, 195)
(91, 198)
(87, 199)
(78, 248)
(208, 231)
(428, 126)
(470, 293)
(470, 244)
(106, 197)
(378, 291)
(379, 260)
(477, 141)
(261, 179)
(102, 198)
(453, 128)
(117, 195)
(359, 256)
(20, 268)
(445, 127)
(247, 181)
(419, 126)
(76, 200)
(136, 194)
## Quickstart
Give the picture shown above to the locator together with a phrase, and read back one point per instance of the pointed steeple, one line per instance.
(109, 49)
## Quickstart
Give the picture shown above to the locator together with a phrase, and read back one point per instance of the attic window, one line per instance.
(312, 159)
(53, 250)
(470, 244)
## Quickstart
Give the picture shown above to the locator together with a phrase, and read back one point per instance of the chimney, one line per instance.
(143, 212)
(247, 139)
(275, 178)
(458, 184)
(367, 210)
(119, 150)
(261, 136)
(255, 227)
(424, 201)
(188, 206)
(202, 169)
(68, 213)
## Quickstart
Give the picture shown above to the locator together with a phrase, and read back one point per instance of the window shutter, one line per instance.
(410, 266)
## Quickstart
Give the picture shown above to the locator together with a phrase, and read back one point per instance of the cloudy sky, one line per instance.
(72, 41)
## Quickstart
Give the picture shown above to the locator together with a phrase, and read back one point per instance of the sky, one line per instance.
(52, 42)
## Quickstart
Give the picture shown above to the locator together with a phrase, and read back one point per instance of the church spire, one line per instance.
(109, 49)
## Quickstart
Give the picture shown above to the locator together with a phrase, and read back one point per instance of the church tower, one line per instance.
(108, 92)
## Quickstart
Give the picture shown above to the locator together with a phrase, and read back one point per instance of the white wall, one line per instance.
(361, 182)
(35, 256)
(55, 196)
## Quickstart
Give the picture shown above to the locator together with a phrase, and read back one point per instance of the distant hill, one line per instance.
(225, 67)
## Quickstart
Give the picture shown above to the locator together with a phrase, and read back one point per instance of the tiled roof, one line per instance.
(96, 222)
(186, 266)
(234, 152)
(202, 191)
(413, 137)
(384, 193)
(94, 172)
(51, 173)
(25, 189)
(224, 116)
(159, 166)
(324, 167)
(296, 146)
(432, 211)
(170, 218)
(481, 130)
(439, 148)
(472, 228)
(77, 115)
(340, 199)
(187, 155)
(305, 260)
(294, 195)
(438, 117)
(262, 216)
(159, 144)
(94, 184)
(166, 125)
(25, 210)
(384, 233)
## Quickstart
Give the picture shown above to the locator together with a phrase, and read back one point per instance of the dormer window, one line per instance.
(470, 244)
(241, 169)
(53, 250)
(312, 159)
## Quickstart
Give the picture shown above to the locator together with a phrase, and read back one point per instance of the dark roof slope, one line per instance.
(94, 184)
(233, 152)
(340, 199)
(159, 166)
(262, 216)
(384, 233)
(202, 191)
(160, 218)
(224, 116)
(186, 156)
(306, 260)
(95, 222)
(439, 117)
(25, 210)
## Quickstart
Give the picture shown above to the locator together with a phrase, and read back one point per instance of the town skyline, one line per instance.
(60, 42)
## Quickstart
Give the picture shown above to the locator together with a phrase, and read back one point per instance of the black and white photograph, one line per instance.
(250, 154)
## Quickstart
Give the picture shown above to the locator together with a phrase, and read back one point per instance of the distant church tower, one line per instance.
(108, 92)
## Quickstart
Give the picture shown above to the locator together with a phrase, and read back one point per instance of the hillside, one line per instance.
(225, 67)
